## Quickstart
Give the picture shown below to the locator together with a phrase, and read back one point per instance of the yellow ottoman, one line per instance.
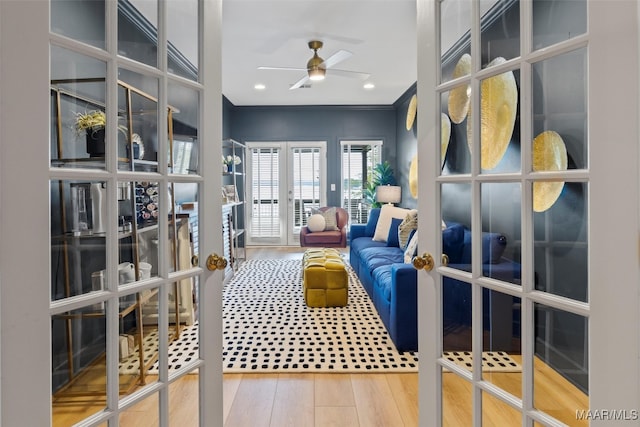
(324, 278)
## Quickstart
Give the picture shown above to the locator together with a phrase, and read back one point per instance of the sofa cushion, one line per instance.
(372, 222)
(453, 242)
(408, 224)
(387, 213)
(316, 223)
(382, 280)
(330, 220)
(411, 249)
(493, 246)
(374, 257)
(357, 245)
(392, 237)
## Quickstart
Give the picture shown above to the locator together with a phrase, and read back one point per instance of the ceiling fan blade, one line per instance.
(299, 83)
(282, 68)
(337, 57)
(345, 73)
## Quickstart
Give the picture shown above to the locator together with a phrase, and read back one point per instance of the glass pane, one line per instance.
(457, 400)
(182, 37)
(183, 132)
(501, 238)
(456, 214)
(500, 36)
(560, 112)
(145, 413)
(265, 190)
(502, 361)
(183, 401)
(495, 412)
(561, 243)
(138, 30)
(78, 247)
(80, 20)
(305, 194)
(78, 348)
(557, 20)
(77, 110)
(138, 114)
(455, 18)
(454, 154)
(561, 363)
(456, 321)
(138, 330)
(499, 122)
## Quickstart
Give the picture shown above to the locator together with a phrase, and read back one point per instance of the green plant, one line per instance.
(95, 120)
(381, 174)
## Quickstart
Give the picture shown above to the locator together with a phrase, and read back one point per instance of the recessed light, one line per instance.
(369, 85)
(259, 86)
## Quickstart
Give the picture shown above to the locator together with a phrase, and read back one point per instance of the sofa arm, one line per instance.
(404, 306)
(357, 230)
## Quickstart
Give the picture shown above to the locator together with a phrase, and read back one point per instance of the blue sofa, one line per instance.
(392, 284)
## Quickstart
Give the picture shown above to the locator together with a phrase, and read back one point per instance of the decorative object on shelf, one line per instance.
(498, 107)
(231, 193)
(460, 96)
(229, 162)
(146, 202)
(92, 124)
(549, 154)
(411, 111)
(445, 129)
(138, 147)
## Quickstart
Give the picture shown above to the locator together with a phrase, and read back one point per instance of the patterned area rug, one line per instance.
(269, 328)
(492, 361)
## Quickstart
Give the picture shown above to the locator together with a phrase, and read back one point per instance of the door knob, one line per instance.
(195, 261)
(216, 262)
(424, 262)
(445, 260)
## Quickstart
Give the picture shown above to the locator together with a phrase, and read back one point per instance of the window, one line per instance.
(358, 160)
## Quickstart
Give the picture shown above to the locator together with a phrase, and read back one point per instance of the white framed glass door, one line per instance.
(121, 282)
(279, 211)
(523, 192)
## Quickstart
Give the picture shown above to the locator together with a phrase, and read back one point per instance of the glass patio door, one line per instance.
(520, 303)
(279, 211)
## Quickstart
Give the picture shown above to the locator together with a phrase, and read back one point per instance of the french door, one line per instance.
(122, 96)
(519, 91)
(287, 180)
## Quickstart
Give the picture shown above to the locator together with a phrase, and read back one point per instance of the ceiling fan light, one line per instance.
(316, 74)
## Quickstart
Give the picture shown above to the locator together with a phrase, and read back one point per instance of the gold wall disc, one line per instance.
(549, 154)
(445, 128)
(411, 111)
(413, 177)
(459, 96)
(498, 107)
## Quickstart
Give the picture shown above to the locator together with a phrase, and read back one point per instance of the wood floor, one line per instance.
(351, 400)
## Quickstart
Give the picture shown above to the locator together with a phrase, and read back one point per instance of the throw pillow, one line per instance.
(387, 212)
(409, 223)
(316, 223)
(412, 248)
(330, 219)
(392, 238)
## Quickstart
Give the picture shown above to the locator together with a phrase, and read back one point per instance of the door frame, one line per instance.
(288, 235)
(613, 303)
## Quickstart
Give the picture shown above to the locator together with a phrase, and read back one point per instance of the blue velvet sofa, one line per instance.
(392, 284)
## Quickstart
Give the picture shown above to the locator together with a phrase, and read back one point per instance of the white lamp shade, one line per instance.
(388, 194)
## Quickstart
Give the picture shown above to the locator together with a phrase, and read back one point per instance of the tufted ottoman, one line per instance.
(324, 278)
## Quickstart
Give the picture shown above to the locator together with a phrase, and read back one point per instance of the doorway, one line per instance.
(278, 211)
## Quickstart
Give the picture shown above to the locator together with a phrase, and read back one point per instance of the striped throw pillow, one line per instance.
(407, 225)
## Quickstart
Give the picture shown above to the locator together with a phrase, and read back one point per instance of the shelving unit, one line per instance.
(79, 253)
(234, 203)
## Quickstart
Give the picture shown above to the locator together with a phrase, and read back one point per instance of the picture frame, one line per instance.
(231, 193)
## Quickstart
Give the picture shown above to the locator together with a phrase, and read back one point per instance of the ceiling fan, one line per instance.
(318, 67)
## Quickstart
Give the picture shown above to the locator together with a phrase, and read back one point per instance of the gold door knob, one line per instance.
(195, 261)
(216, 262)
(424, 262)
(445, 260)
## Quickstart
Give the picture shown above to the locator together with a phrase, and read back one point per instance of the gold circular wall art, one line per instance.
(498, 106)
(413, 177)
(411, 111)
(459, 96)
(549, 154)
(445, 124)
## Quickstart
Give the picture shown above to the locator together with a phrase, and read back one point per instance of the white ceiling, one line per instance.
(381, 34)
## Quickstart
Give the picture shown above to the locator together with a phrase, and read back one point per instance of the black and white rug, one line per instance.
(269, 328)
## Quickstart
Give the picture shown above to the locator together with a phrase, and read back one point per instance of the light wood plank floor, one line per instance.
(350, 400)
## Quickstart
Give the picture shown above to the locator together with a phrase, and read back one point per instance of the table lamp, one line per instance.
(388, 194)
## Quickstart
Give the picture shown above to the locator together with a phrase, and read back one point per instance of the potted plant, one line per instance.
(230, 162)
(381, 174)
(92, 124)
